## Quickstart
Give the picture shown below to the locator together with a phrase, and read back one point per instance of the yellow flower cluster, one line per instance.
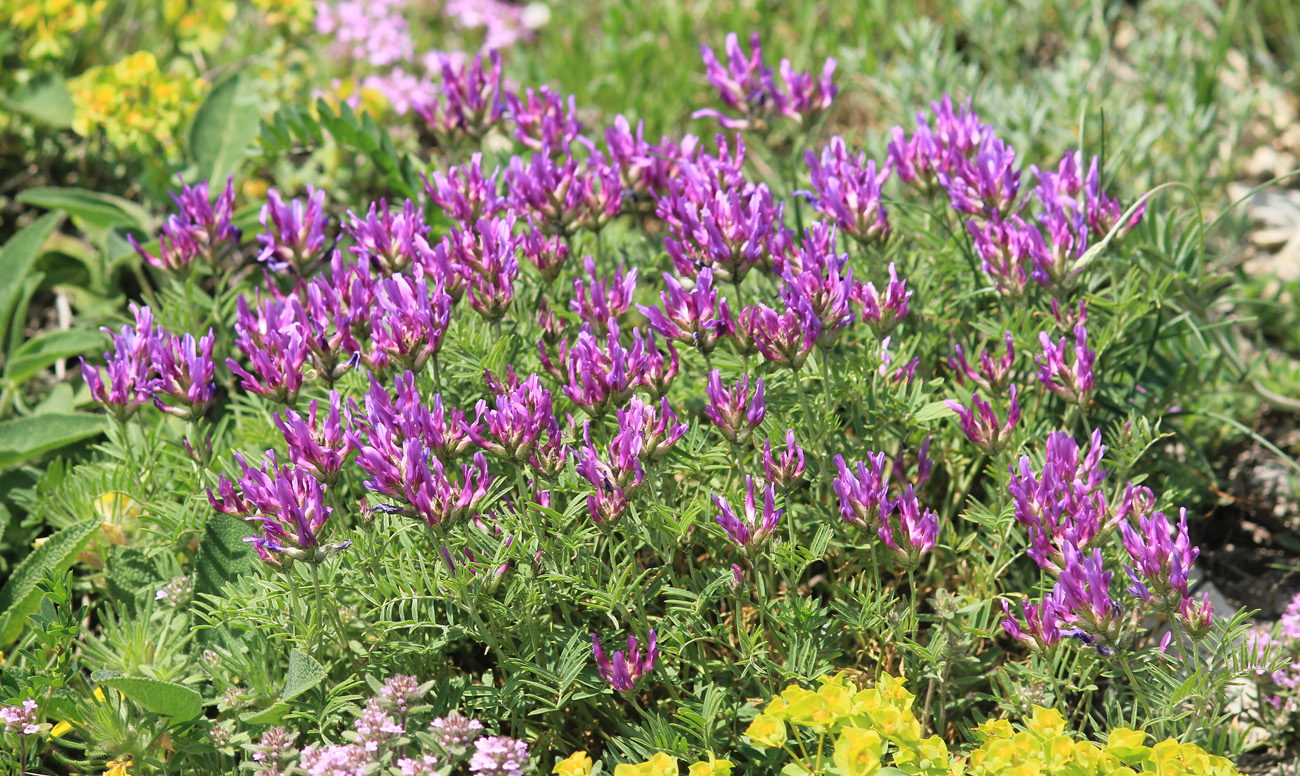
(138, 106)
(46, 27)
(866, 725)
(200, 25)
(293, 14)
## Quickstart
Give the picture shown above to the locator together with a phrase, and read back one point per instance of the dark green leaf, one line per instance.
(166, 698)
(304, 674)
(103, 211)
(223, 554)
(224, 128)
(23, 439)
(20, 596)
(44, 98)
(16, 260)
(42, 351)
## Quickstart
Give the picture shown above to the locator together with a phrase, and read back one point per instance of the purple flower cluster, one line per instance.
(734, 410)
(20, 719)
(979, 173)
(749, 88)
(286, 502)
(146, 362)
(470, 100)
(294, 237)
(846, 188)
(754, 525)
(626, 670)
(407, 449)
(864, 501)
(1068, 519)
(200, 229)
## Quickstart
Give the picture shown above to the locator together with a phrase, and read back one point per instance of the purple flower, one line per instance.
(294, 236)
(1103, 212)
(374, 32)
(747, 86)
(696, 317)
(375, 727)
(464, 193)
(602, 378)
(409, 323)
(1072, 382)
(733, 409)
(21, 719)
(660, 370)
(644, 168)
(598, 301)
(1065, 505)
(130, 367)
(1097, 618)
(471, 101)
(786, 338)
(514, 425)
(1042, 621)
(1058, 257)
(847, 189)
(984, 431)
(1198, 616)
(499, 756)
(289, 505)
(186, 374)
(729, 230)
(430, 494)
(1163, 556)
(650, 431)
(754, 525)
(625, 671)
(954, 138)
(991, 376)
(986, 184)
(546, 252)
(917, 531)
(455, 733)
(543, 119)
(275, 751)
(862, 494)
(320, 446)
(813, 277)
(387, 240)
(337, 760)
(785, 471)
(492, 287)
(883, 312)
(199, 229)
(564, 195)
(274, 345)
(331, 321)
(1005, 248)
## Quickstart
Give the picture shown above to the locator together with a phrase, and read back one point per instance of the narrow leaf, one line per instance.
(103, 211)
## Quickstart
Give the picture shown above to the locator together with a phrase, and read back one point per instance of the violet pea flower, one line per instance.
(318, 445)
(1072, 382)
(991, 376)
(862, 493)
(626, 670)
(984, 431)
(294, 236)
(130, 367)
(733, 409)
(785, 471)
(786, 338)
(186, 374)
(754, 525)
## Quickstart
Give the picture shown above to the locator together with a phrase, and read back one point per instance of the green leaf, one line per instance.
(102, 211)
(20, 596)
(16, 260)
(268, 716)
(166, 698)
(45, 99)
(304, 674)
(932, 411)
(23, 439)
(223, 554)
(39, 352)
(127, 571)
(224, 128)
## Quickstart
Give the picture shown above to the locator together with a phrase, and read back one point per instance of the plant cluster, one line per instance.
(613, 438)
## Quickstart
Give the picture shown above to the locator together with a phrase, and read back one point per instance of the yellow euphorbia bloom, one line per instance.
(766, 731)
(857, 752)
(576, 764)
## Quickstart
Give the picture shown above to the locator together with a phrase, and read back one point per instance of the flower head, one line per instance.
(755, 524)
(626, 670)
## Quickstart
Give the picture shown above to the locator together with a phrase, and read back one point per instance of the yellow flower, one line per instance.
(99, 695)
(993, 728)
(576, 764)
(1127, 745)
(61, 728)
(766, 731)
(118, 767)
(1046, 722)
(714, 767)
(857, 752)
